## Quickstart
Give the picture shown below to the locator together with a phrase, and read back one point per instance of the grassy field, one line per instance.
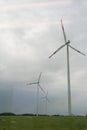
(42, 123)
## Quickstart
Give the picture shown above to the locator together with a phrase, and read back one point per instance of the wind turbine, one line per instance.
(46, 100)
(38, 86)
(67, 44)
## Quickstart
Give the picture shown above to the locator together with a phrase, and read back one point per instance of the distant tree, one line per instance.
(7, 114)
(28, 114)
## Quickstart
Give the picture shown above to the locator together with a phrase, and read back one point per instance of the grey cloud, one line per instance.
(28, 37)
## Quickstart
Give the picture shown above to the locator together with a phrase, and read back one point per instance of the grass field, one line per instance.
(42, 123)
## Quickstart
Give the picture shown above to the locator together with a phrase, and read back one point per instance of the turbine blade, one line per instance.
(42, 89)
(39, 77)
(45, 98)
(59, 49)
(63, 31)
(32, 83)
(77, 50)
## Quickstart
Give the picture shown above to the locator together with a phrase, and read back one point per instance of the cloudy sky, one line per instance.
(30, 30)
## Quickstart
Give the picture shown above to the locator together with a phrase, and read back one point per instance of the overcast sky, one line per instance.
(30, 30)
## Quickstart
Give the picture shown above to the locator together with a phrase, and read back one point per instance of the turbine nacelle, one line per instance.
(68, 41)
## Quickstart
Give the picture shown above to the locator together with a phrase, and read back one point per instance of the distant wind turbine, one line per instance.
(38, 86)
(67, 44)
(46, 101)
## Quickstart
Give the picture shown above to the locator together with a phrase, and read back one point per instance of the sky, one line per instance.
(30, 31)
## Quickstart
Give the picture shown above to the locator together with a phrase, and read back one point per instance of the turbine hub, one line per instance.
(68, 41)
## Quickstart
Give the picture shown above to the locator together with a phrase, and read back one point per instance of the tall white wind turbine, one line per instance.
(67, 44)
(37, 96)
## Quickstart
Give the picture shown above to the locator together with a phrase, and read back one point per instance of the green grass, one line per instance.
(42, 123)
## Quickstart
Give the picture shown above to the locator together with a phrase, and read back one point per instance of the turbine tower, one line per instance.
(38, 86)
(67, 44)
